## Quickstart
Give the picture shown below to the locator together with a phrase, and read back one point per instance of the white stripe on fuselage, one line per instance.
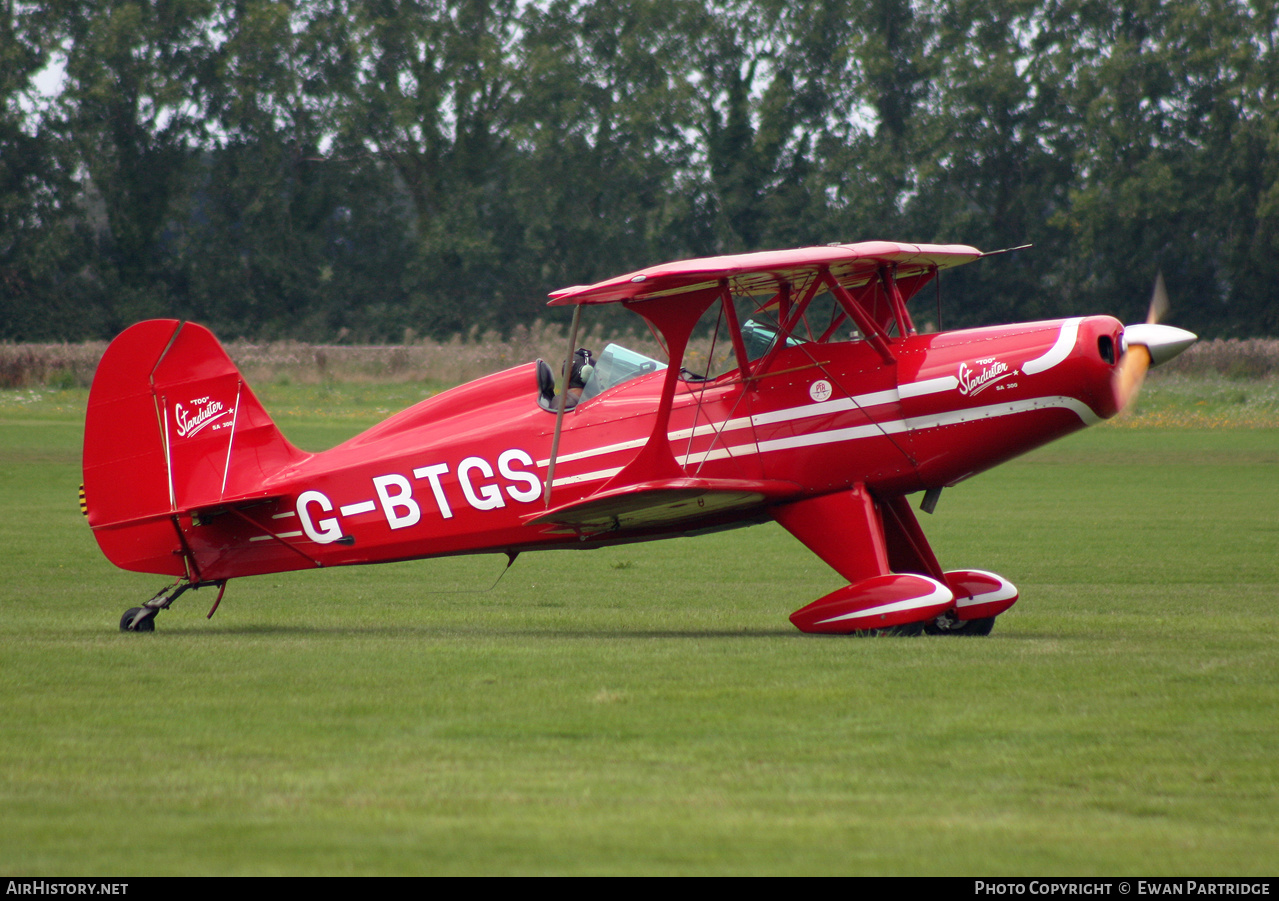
(275, 537)
(936, 420)
(1060, 350)
(588, 477)
(807, 411)
(834, 436)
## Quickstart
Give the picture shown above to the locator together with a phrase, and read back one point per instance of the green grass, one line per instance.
(648, 708)
(1205, 401)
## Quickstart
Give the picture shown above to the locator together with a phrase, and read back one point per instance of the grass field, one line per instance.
(648, 709)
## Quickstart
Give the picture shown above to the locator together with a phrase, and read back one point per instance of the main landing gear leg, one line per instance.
(857, 537)
(896, 586)
(142, 619)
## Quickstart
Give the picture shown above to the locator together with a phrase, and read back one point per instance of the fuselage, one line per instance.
(464, 471)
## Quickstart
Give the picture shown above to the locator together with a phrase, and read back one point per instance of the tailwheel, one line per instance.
(949, 624)
(138, 619)
(142, 619)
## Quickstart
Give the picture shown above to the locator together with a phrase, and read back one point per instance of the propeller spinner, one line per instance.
(1146, 345)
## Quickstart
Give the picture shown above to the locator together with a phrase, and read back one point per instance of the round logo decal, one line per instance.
(819, 390)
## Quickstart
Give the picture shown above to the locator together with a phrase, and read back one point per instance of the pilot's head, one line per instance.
(583, 365)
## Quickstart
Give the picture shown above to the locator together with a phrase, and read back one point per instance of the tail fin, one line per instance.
(171, 427)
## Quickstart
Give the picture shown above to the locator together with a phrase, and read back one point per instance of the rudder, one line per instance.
(171, 427)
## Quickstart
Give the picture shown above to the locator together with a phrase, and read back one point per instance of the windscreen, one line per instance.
(615, 365)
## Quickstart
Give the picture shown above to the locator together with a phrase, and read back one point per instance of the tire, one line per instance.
(904, 630)
(146, 625)
(973, 627)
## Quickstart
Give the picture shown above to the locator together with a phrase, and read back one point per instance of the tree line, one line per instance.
(372, 170)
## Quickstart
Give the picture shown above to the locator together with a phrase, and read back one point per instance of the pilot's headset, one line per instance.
(583, 366)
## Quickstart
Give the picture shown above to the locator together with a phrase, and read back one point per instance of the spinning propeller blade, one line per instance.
(1147, 345)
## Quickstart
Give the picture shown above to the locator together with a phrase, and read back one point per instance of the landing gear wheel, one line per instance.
(902, 630)
(147, 624)
(948, 624)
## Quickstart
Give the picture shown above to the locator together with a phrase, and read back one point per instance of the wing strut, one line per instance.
(674, 317)
(888, 275)
(874, 334)
(559, 412)
(735, 329)
(787, 321)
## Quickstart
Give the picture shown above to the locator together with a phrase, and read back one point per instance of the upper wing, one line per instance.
(760, 273)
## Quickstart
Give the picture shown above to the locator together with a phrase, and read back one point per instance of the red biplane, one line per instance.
(829, 410)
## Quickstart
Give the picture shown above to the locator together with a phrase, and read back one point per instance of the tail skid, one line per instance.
(171, 427)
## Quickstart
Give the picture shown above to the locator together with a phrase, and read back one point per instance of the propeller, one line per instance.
(1146, 345)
